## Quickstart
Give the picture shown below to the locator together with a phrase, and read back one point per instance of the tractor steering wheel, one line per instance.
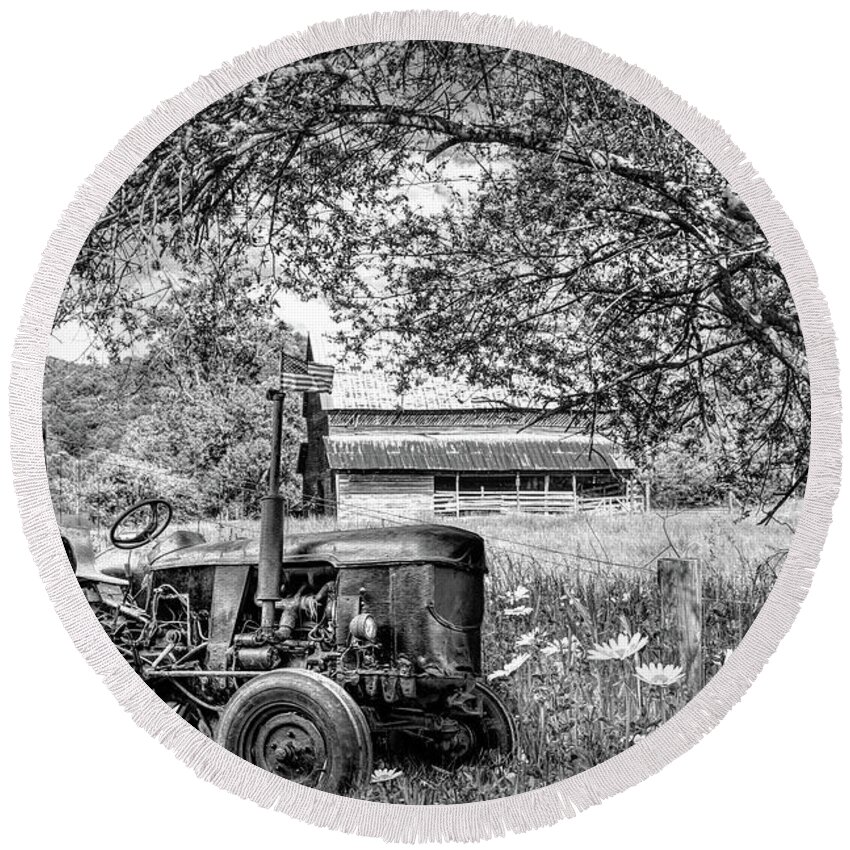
(144, 522)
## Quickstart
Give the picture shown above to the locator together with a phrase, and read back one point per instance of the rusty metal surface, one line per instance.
(523, 452)
(480, 419)
(434, 543)
(375, 390)
(227, 600)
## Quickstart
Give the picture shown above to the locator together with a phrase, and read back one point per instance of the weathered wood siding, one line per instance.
(318, 493)
(373, 498)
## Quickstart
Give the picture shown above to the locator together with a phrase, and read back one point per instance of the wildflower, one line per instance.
(618, 649)
(557, 666)
(511, 667)
(529, 638)
(662, 675)
(519, 611)
(385, 774)
(518, 595)
(562, 646)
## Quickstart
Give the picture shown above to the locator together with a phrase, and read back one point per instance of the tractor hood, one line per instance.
(357, 547)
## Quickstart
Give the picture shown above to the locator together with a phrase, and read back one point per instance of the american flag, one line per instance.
(303, 377)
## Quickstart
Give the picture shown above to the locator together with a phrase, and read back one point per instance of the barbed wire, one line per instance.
(505, 544)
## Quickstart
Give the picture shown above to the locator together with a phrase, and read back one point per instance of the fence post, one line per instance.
(680, 583)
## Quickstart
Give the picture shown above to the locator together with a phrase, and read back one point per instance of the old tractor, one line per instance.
(302, 655)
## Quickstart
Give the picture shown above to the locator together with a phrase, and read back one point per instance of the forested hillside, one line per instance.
(118, 432)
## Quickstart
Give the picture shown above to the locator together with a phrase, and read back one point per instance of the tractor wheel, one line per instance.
(494, 733)
(301, 726)
(498, 728)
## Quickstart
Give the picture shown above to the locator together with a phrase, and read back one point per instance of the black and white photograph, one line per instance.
(426, 422)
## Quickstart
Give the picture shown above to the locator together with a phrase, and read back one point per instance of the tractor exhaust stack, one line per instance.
(270, 566)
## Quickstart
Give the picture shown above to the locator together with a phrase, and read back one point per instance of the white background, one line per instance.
(76, 77)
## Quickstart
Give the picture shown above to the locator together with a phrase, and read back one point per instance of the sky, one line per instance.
(70, 342)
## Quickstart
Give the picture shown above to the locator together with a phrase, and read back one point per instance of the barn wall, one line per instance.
(316, 480)
(370, 498)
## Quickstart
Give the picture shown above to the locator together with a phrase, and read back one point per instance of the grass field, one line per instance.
(559, 586)
(545, 613)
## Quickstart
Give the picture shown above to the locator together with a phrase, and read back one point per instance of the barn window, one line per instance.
(493, 483)
(558, 483)
(532, 483)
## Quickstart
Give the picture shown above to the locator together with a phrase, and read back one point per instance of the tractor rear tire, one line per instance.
(498, 730)
(301, 726)
(493, 734)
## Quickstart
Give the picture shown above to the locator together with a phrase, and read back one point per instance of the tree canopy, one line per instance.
(480, 212)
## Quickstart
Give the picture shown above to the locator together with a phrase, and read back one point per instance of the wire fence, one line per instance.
(580, 564)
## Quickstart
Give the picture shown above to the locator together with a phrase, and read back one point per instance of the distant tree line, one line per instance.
(136, 428)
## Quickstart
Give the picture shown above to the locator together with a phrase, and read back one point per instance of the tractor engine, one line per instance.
(393, 615)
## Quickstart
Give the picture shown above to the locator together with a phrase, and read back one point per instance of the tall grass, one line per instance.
(573, 582)
(574, 712)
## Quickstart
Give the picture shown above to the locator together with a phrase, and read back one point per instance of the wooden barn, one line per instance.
(372, 455)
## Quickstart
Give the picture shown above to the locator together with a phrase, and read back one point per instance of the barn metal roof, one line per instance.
(510, 419)
(376, 390)
(498, 452)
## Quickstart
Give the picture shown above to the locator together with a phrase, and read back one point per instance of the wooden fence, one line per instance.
(680, 585)
(529, 501)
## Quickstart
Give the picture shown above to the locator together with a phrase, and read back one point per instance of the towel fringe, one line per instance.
(394, 822)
